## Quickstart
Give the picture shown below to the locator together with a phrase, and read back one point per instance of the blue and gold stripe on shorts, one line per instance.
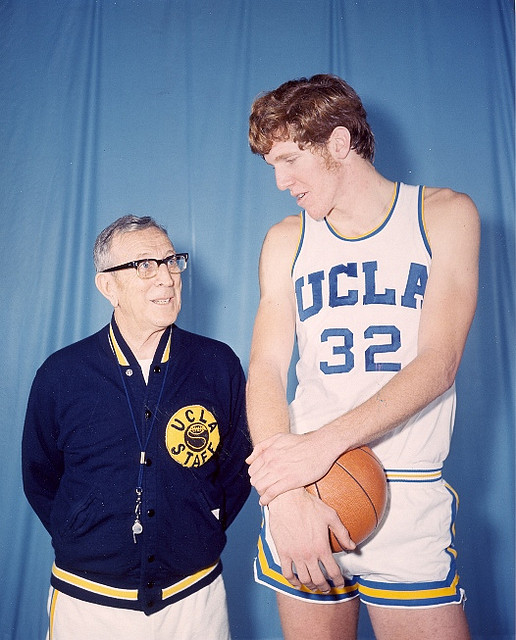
(414, 475)
(268, 572)
(419, 594)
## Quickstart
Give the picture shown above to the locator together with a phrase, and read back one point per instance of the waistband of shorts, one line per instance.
(78, 586)
(414, 475)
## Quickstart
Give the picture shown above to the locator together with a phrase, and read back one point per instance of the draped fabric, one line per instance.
(140, 106)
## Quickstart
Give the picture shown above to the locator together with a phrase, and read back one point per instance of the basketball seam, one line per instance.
(360, 485)
(369, 453)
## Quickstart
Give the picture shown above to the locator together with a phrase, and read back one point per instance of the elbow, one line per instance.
(444, 369)
(450, 366)
(448, 377)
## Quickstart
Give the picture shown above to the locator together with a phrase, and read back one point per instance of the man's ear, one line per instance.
(106, 284)
(340, 143)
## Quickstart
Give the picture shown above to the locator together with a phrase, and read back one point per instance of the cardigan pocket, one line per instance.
(72, 520)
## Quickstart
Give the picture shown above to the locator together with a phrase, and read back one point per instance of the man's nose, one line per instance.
(283, 179)
(164, 276)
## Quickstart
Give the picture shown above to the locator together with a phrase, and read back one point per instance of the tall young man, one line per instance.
(347, 278)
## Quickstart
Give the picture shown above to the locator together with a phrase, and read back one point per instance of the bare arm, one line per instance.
(273, 334)
(450, 301)
(267, 411)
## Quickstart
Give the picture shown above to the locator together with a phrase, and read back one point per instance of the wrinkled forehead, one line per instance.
(144, 243)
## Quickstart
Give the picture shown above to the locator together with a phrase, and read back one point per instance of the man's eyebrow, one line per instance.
(282, 156)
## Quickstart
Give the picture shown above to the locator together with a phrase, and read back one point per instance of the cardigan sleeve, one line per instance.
(42, 461)
(236, 447)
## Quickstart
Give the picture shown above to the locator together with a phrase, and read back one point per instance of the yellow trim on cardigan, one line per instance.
(127, 594)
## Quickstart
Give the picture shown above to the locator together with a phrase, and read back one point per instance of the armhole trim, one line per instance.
(302, 226)
(421, 218)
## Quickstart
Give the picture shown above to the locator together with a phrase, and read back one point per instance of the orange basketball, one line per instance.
(355, 486)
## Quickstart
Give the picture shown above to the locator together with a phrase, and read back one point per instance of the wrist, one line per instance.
(279, 501)
(333, 440)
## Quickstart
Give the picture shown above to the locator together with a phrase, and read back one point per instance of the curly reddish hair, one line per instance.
(306, 111)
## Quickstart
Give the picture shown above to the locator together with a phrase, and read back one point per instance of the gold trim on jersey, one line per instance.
(423, 221)
(372, 231)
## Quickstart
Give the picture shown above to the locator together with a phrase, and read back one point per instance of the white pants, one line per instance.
(201, 616)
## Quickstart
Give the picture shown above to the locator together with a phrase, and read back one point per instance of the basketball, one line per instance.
(355, 486)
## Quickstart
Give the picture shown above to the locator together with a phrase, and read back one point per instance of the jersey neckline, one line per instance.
(374, 231)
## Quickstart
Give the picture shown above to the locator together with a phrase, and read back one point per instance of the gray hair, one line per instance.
(125, 224)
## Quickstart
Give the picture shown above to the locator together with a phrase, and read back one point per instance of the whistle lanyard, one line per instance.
(137, 527)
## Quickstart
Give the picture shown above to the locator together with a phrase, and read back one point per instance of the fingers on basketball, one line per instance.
(355, 486)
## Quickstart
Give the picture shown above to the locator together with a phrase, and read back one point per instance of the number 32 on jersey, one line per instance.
(342, 354)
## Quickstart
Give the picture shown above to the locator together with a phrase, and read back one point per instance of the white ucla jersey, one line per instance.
(359, 303)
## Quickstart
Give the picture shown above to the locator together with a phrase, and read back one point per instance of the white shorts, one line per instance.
(197, 617)
(408, 562)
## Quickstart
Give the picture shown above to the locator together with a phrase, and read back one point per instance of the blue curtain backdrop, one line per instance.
(132, 106)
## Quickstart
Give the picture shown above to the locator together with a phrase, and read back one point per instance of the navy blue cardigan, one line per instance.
(81, 464)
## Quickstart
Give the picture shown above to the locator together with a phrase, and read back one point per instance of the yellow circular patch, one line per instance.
(192, 435)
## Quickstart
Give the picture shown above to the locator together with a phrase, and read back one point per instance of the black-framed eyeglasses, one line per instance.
(148, 267)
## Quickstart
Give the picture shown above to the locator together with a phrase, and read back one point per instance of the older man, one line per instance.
(133, 456)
